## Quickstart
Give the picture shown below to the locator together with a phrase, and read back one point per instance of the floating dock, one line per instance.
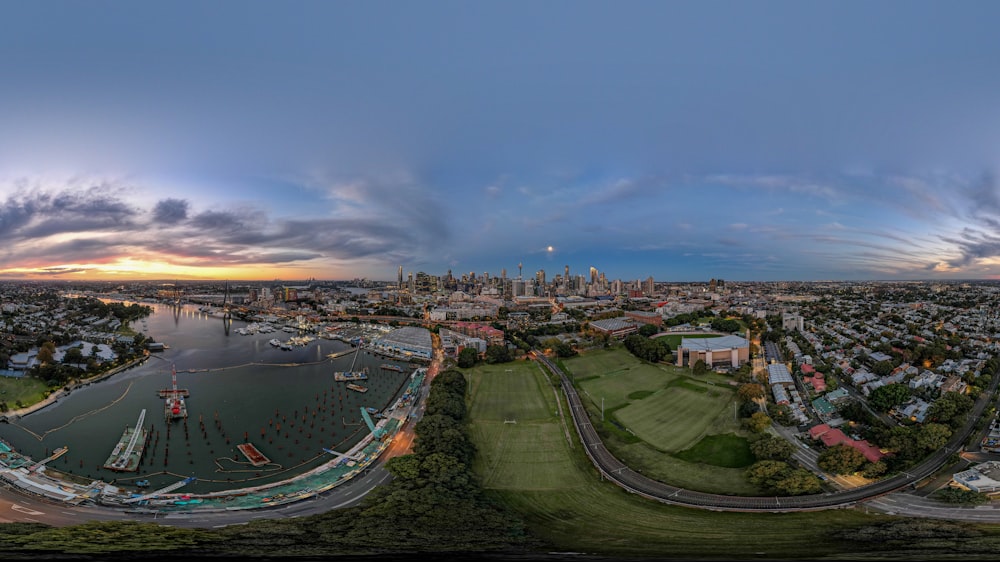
(253, 455)
(391, 367)
(174, 405)
(128, 452)
(342, 376)
(357, 387)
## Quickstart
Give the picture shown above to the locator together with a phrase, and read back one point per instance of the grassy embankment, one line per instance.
(532, 467)
(21, 390)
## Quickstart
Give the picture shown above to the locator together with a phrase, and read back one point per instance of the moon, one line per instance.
(550, 249)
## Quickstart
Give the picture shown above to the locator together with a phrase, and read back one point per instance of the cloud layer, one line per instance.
(683, 141)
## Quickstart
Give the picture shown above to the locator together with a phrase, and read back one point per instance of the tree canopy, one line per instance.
(885, 398)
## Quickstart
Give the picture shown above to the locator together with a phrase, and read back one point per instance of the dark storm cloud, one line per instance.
(170, 211)
(40, 214)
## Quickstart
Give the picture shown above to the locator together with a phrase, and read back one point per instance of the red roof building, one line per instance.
(834, 436)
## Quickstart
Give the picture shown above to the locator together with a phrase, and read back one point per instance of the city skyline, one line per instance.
(681, 141)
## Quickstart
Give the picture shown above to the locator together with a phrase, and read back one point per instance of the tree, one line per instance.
(73, 355)
(885, 398)
(882, 368)
(841, 459)
(758, 422)
(647, 330)
(699, 367)
(932, 436)
(46, 352)
(750, 392)
(468, 357)
(766, 473)
(796, 482)
(875, 469)
(498, 354)
(768, 447)
(951, 409)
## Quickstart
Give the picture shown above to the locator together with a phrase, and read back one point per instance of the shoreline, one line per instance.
(52, 398)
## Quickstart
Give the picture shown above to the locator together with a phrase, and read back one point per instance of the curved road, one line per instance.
(619, 473)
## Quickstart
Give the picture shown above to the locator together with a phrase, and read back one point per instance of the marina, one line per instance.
(247, 390)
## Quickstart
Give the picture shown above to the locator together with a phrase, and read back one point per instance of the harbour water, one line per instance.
(242, 389)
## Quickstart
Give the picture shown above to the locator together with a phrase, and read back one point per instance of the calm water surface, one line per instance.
(242, 388)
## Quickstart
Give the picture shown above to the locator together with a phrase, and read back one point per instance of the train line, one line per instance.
(611, 468)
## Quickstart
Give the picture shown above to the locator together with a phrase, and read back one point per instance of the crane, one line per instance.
(377, 432)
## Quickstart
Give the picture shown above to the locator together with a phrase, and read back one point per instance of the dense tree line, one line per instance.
(652, 350)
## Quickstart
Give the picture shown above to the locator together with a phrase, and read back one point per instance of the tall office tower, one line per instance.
(517, 288)
(593, 274)
(519, 271)
(413, 284)
(399, 283)
(503, 273)
(712, 285)
(566, 272)
(540, 277)
(649, 286)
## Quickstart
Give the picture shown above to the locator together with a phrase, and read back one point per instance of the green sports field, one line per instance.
(514, 407)
(661, 411)
(676, 417)
(532, 467)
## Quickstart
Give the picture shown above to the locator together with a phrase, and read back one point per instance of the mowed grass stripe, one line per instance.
(615, 388)
(498, 395)
(530, 454)
(674, 418)
(598, 362)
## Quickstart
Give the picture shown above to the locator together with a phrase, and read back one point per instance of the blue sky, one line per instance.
(764, 140)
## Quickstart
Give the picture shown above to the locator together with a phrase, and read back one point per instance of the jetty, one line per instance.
(252, 454)
(128, 452)
(391, 367)
(55, 455)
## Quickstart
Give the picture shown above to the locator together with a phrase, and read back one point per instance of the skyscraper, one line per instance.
(399, 283)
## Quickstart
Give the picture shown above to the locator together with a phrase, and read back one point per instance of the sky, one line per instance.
(743, 140)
